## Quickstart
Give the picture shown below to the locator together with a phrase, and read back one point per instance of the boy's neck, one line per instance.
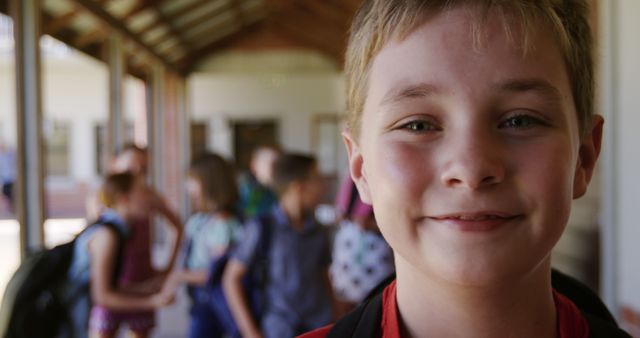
(523, 308)
(294, 211)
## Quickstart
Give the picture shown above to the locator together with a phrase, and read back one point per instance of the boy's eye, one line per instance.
(521, 122)
(419, 126)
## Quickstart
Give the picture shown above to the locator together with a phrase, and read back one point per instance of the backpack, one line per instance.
(212, 294)
(41, 293)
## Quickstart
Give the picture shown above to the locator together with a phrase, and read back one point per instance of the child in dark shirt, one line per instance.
(297, 293)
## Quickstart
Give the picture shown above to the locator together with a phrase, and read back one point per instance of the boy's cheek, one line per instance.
(405, 171)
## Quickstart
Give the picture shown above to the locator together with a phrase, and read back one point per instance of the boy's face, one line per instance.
(470, 157)
(262, 165)
(132, 161)
(311, 190)
(194, 189)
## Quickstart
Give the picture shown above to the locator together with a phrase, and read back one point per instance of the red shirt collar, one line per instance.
(571, 323)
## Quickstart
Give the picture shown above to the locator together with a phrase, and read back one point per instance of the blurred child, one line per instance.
(256, 194)
(138, 273)
(362, 259)
(210, 231)
(297, 289)
(471, 131)
(8, 174)
(98, 259)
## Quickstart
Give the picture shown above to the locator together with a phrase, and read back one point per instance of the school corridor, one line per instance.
(81, 79)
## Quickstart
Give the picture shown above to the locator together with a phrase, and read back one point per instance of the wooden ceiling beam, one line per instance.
(305, 25)
(190, 60)
(161, 18)
(60, 22)
(213, 33)
(173, 30)
(140, 6)
(236, 5)
(348, 6)
(334, 17)
(89, 38)
(242, 22)
(93, 49)
(117, 25)
(191, 7)
(192, 24)
(203, 17)
(312, 39)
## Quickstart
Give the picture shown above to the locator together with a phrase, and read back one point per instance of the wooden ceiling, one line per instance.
(181, 33)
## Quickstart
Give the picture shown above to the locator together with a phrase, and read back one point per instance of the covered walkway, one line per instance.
(162, 44)
(175, 76)
(81, 78)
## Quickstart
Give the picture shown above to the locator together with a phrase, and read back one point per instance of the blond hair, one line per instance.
(378, 21)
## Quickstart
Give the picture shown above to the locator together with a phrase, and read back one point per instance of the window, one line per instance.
(327, 143)
(56, 135)
(198, 135)
(250, 134)
(102, 151)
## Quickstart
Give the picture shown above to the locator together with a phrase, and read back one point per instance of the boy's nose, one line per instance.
(472, 164)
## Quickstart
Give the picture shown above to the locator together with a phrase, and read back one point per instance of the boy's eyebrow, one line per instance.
(535, 85)
(410, 91)
(422, 89)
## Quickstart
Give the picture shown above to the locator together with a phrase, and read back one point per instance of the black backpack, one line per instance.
(39, 295)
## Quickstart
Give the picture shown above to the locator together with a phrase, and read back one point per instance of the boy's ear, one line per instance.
(356, 168)
(587, 156)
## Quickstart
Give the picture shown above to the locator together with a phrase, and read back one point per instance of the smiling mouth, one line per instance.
(476, 222)
(474, 218)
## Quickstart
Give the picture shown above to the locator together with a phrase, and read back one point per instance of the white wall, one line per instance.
(7, 102)
(628, 159)
(290, 97)
(75, 92)
(288, 86)
(620, 54)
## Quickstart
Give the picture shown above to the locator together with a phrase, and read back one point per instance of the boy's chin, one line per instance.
(477, 278)
(478, 274)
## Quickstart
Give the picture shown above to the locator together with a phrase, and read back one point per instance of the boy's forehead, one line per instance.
(450, 40)
(441, 60)
(482, 26)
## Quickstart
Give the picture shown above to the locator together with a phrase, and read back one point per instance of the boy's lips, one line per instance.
(476, 221)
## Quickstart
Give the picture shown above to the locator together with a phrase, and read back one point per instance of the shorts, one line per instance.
(104, 320)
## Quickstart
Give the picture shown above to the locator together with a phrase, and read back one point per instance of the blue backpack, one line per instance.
(212, 294)
(41, 293)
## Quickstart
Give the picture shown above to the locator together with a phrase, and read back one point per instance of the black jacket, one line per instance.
(364, 321)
